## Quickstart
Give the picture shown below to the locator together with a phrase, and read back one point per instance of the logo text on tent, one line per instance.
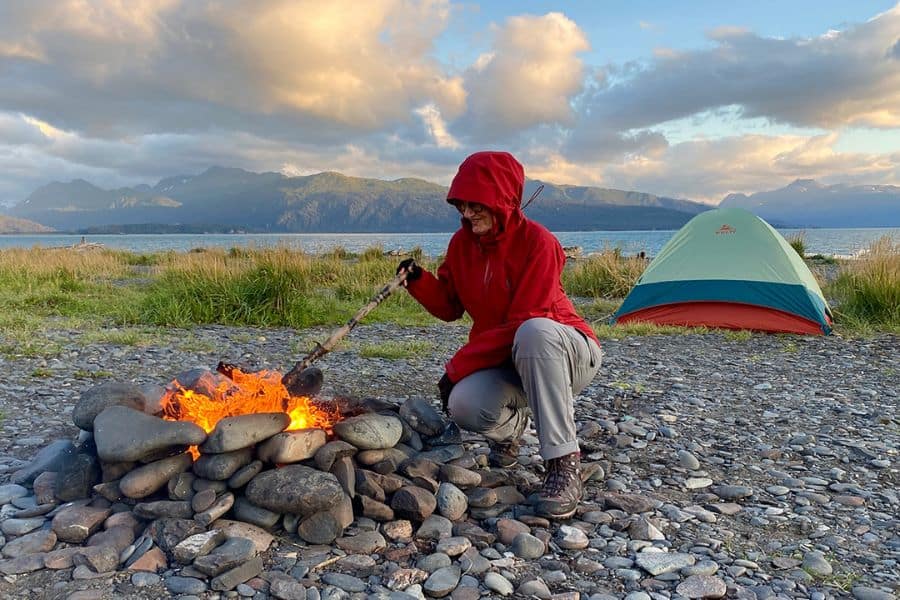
(726, 228)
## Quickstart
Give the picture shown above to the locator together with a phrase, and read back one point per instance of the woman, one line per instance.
(528, 348)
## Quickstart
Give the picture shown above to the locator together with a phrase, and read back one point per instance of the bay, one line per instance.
(833, 242)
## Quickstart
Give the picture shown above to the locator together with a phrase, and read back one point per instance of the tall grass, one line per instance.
(271, 287)
(605, 275)
(284, 287)
(798, 243)
(49, 281)
(867, 291)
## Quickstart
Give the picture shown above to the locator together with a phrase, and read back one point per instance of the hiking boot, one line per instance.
(504, 455)
(561, 493)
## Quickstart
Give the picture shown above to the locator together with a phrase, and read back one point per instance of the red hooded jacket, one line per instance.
(502, 278)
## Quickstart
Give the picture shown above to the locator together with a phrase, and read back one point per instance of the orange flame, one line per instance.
(243, 394)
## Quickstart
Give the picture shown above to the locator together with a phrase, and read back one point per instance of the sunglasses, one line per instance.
(476, 208)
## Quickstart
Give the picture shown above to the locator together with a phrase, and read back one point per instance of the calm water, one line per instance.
(839, 242)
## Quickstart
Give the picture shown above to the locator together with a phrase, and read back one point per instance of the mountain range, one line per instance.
(808, 203)
(228, 199)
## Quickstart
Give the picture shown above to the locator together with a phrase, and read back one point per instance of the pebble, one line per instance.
(144, 579)
(702, 586)
(688, 460)
(498, 583)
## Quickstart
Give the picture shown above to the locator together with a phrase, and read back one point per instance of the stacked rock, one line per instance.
(137, 499)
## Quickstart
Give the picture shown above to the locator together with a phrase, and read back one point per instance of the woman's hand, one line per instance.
(445, 386)
(413, 271)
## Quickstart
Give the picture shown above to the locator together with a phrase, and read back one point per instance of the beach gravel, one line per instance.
(764, 466)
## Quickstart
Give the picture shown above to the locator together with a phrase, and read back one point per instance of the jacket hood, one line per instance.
(495, 179)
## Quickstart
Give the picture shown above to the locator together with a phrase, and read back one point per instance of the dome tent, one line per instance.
(728, 268)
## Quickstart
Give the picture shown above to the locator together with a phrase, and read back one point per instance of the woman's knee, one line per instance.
(534, 334)
(472, 407)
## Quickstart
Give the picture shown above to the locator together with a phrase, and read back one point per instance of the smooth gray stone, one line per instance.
(31, 543)
(124, 434)
(181, 486)
(861, 592)
(219, 507)
(422, 416)
(294, 489)
(345, 473)
(732, 492)
(231, 553)
(100, 397)
(75, 523)
(370, 431)
(164, 509)
(145, 579)
(330, 452)
(219, 467)
(48, 458)
(100, 559)
(136, 550)
(239, 574)
(320, 528)
(15, 527)
(76, 475)
(498, 583)
(527, 546)
(688, 460)
(149, 478)
(23, 564)
(412, 502)
(243, 475)
(198, 545)
(243, 431)
(167, 533)
(443, 581)
(460, 477)
(117, 536)
(443, 454)
(203, 500)
(11, 491)
(702, 586)
(451, 502)
(432, 562)
(245, 510)
(348, 583)
(816, 564)
(291, 446)
(657, 563)
(185, 585)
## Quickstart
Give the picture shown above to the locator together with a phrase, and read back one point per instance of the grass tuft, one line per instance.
(396, 350)
(867, 291)
(604, 275)
(798, 243)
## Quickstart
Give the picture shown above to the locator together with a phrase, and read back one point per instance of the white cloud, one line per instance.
(527, 79)
(707, 170)
(846, 78)
(126, 91)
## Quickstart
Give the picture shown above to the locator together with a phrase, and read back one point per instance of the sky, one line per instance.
(692, 100)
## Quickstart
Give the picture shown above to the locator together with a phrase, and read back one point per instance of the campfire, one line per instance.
(230, 392)
(224, 456)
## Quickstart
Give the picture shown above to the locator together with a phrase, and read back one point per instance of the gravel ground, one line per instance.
(799, 435)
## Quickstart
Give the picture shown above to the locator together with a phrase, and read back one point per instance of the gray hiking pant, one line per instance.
(552, 363)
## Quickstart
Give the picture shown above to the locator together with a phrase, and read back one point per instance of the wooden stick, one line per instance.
(339, 333)
(327, 562)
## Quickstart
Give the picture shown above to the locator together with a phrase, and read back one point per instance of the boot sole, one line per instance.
(554, 515)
